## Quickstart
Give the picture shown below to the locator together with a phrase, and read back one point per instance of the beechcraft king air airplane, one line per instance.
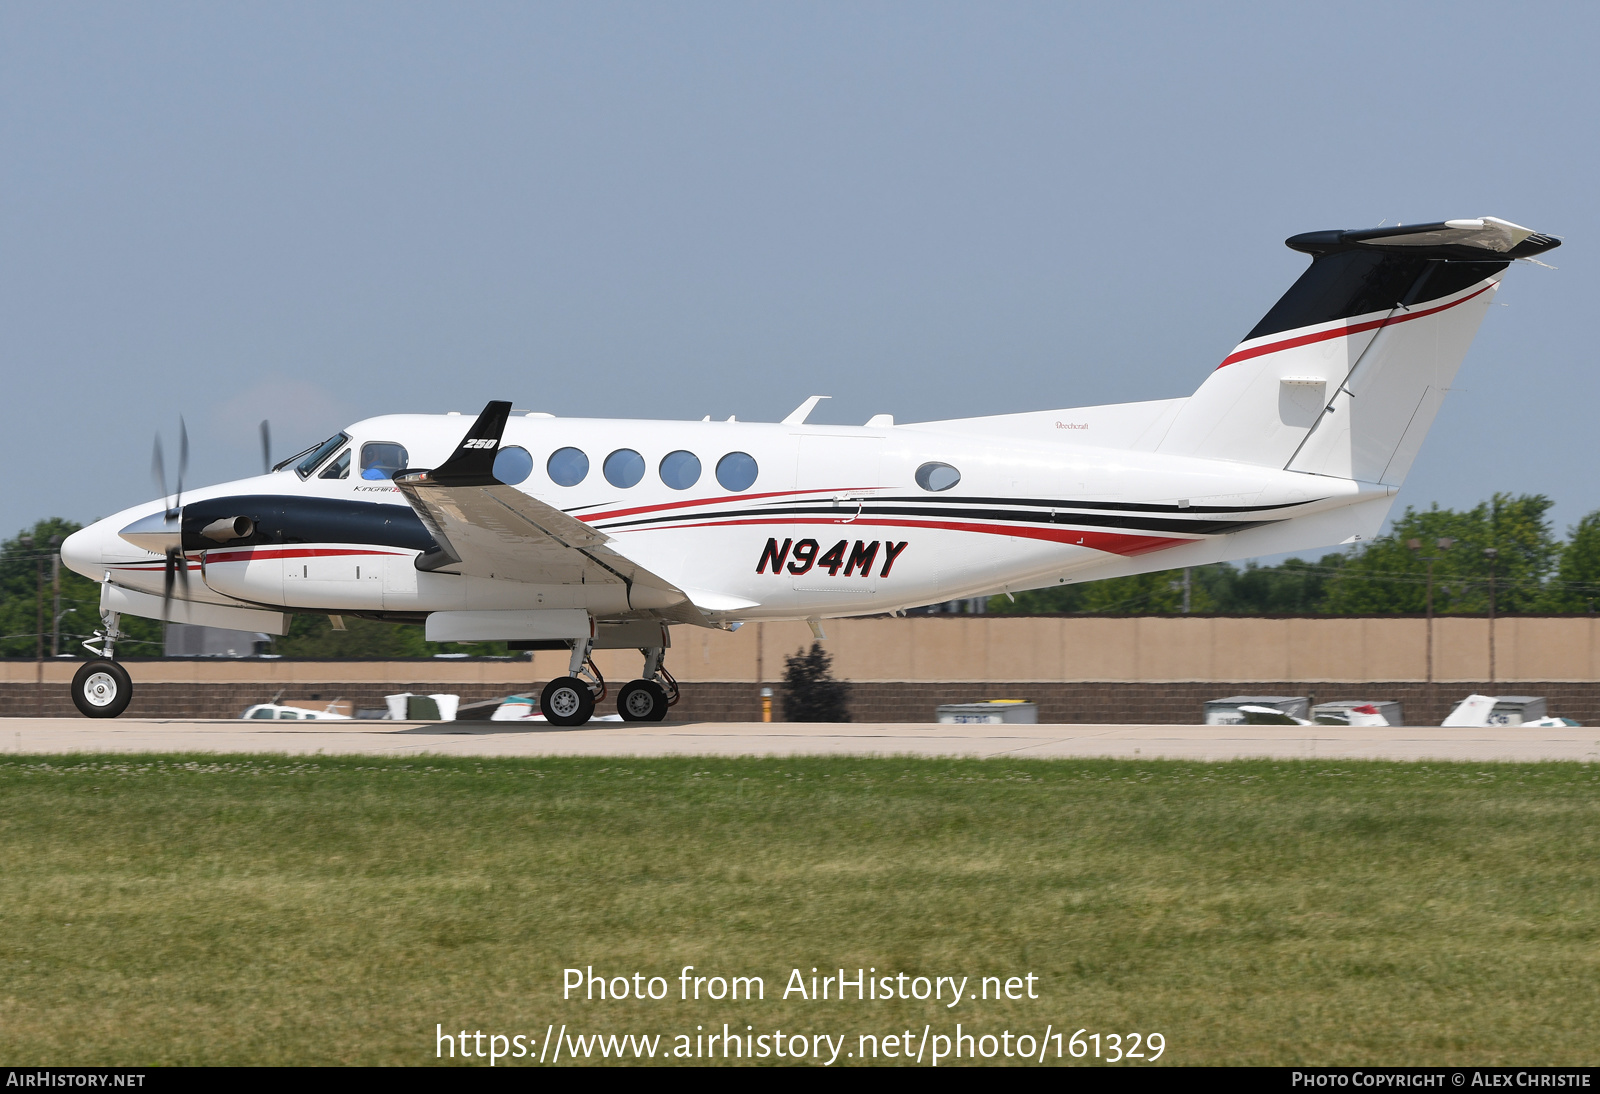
(588, 534)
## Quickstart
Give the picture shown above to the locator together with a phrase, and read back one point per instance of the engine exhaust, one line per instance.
(228, 528)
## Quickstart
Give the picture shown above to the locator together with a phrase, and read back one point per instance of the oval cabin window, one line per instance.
(624, 468)
(680, 470)
(937, 476)
(567, 466)
(512, 465)
(737, 471)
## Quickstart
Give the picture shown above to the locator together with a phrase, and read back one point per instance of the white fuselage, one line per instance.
(1042, 498)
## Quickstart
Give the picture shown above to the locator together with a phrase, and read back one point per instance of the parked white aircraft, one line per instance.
(599, 533)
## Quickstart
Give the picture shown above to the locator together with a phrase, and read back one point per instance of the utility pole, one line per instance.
(38, 637)
(1491, 554)
(1187, 584)
(55, 597)
(765, 693)
(1443, 544)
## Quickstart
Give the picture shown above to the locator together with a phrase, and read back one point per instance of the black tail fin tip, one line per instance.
(1377, 269)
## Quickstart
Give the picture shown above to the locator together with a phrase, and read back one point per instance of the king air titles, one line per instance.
(803, 557)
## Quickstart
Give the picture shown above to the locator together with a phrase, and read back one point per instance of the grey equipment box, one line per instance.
(1225, 712)
(988, 714)
(1338, 714)
(1513, 710)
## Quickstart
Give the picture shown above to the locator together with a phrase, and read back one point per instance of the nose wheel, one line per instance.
(101, 689)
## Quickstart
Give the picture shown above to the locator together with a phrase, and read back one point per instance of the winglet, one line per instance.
(472, 463)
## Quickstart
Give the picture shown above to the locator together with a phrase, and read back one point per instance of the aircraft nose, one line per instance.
(82, 552)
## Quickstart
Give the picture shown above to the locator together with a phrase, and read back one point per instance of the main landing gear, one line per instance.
(570, 700)
(646, 699)
(102, 688)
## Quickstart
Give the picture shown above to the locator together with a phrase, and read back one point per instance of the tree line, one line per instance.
(1505, 544)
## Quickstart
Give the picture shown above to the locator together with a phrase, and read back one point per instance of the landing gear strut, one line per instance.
(570, 700)
(102, 688)
(647, 699)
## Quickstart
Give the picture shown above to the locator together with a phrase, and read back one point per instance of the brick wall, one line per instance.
(1159, 704)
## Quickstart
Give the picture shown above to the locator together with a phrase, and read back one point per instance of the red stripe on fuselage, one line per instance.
(1114, 543)
(149, 567)
(1341, 332)
(592, 517)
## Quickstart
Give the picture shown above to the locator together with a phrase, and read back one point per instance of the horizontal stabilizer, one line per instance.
(1458, 240)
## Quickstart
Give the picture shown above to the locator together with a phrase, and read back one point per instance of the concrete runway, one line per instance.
(1508, 743)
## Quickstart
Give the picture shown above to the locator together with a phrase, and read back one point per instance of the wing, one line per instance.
(485, 528)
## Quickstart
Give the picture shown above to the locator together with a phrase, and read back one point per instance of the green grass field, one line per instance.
(328, 910)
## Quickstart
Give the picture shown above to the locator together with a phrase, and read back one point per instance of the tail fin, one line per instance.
(1344, 375)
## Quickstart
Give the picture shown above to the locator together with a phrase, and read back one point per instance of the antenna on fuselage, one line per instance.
(803, 411)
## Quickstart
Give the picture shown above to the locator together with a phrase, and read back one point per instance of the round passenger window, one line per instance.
(512, 465)
(381, 459)
(567, 466)
(624, 468)
(937, 476)
(736, 471)
(680, 470)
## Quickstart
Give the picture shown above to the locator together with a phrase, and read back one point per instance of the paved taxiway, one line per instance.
(1505, 743)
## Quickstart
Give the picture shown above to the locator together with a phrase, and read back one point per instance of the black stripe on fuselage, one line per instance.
(1113, 506)
(1037, 503)
(847, 510)
(281, 519)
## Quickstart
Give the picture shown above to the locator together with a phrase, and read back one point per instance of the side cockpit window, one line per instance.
(339, 468)
(314, 456)
(381, 459)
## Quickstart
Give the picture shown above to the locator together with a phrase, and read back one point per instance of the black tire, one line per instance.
(642, 701)
(566, 701)
(101, 689)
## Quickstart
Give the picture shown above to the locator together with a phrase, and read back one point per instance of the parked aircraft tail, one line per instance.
(1345, 374)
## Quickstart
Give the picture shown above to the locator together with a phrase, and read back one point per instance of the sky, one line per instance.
(315, 213)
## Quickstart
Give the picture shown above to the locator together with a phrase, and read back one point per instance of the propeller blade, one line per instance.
(177, 573)
(183, 460)
(158, 469)
(166, 591)
(266, 447)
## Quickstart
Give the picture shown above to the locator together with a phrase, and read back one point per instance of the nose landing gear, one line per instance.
(102, 688)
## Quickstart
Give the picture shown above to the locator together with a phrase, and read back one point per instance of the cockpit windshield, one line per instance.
(313, 456)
